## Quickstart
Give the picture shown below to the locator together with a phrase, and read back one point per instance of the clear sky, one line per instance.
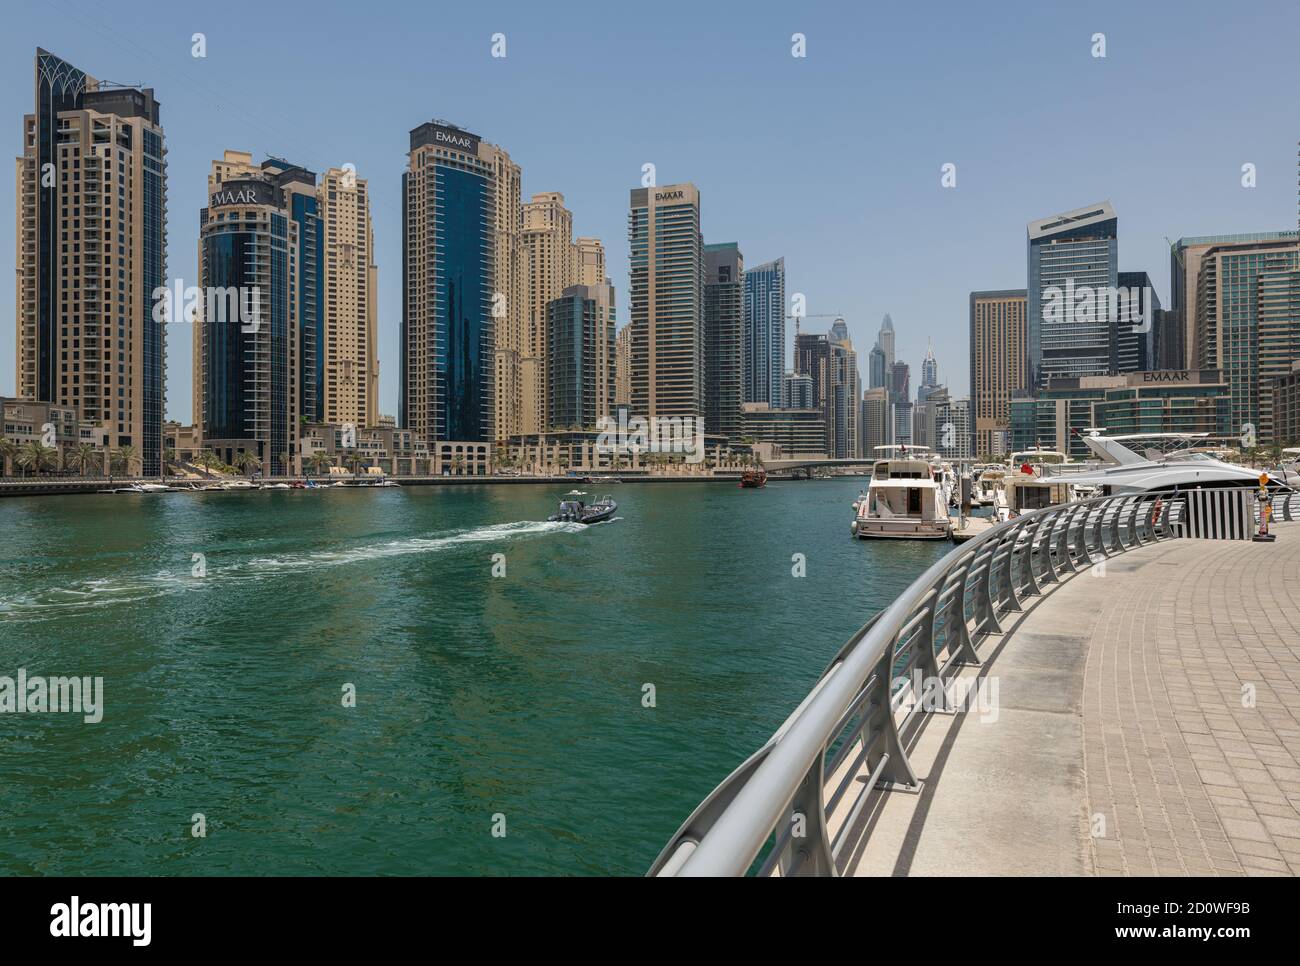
(832, 160)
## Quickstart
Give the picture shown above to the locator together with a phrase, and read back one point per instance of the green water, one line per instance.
(477, 695)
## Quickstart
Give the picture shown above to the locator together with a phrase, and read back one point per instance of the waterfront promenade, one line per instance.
(1148, 723)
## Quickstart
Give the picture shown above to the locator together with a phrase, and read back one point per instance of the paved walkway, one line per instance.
(1148, 723)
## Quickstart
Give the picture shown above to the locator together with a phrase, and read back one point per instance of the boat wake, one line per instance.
(114, 591)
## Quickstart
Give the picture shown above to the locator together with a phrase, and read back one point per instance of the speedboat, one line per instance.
(1123, 471)
(141, 488)
(574, 510)
(907, 499)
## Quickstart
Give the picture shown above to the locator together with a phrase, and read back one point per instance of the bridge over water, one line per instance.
(1119, 697)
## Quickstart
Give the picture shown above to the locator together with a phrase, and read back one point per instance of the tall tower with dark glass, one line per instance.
(724, 355)
(1072, 270)
(459, 203)
(258, 333)
(764, 333)
(92, 243)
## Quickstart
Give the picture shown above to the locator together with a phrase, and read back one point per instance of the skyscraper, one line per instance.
(460, 201)
(667, 296)
(589, 262)
(1072, 269)
(1135, 329)
(350, 365)
(885, 339)
(1248, 325)
(998, 364)
(724, 272)
(1184, 273)
(929, 374)
(877, 368)
(877, 427)
(580, 357)
(91, 256)
(551, 268)
(257, 344)
(764, 336)
(900, 382)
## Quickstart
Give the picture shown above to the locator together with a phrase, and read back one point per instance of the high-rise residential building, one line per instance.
(1137, 307)
(877, 368)
(349, 290)
(1180, 350)
(580, 357)
(551, 268)
(589, 261)
(1248, 325)
(812, 358)
(877, 426)
(900, 382)
(91, 256)
(903, 423)
(998, 364)
(623, 367)
(462, 281)
(258, 343)
(797, 390)
(1285, 391)
(724, 275)
(764, 336)
(1072, 271)
(667, 299)
(929, 374)
(885, 339)
(845, 396)
(951, 434)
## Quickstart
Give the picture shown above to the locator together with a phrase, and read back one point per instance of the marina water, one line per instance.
(513, 702)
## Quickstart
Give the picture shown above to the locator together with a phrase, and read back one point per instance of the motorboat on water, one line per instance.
(984, 491)
(574, 510)
(141, 488)
(907, 499)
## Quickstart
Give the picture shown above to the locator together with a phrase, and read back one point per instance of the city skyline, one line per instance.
(977, 233)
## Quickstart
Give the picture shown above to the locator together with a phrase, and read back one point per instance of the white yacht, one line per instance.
(1034, 478)
(985, 490)
(1124, 471)
(907, 500)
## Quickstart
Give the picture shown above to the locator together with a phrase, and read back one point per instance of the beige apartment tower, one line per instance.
(589, 262)
(998, 363)
(550, 253)
(667, 295)
(351, 366)
(91, 257)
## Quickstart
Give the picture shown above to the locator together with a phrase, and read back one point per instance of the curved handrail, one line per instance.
(852, 723)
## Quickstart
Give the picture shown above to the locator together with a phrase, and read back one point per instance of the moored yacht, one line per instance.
(907, 500)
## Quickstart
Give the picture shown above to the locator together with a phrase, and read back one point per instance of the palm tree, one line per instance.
(169, 456)
(36, 456)
(247, 462)
(352, 459)
(206, 459)
(124, 456)
(8, 450)
(83, 456)
(319, 460)
(458, 465)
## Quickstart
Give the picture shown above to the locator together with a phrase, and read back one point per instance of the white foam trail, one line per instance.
(113, 591)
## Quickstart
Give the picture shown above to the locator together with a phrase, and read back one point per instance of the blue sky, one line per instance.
(832, 160)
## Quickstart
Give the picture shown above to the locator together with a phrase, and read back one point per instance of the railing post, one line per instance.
(1049, 542)
(1063, 556)
(1133, 525)
(985, 611)
(896, 769)
(1031, 581)
(964, 651)
(809, 853)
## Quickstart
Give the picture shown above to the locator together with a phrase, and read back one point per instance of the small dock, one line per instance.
(970, 528)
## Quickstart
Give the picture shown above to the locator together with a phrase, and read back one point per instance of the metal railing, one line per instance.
(792, 807)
